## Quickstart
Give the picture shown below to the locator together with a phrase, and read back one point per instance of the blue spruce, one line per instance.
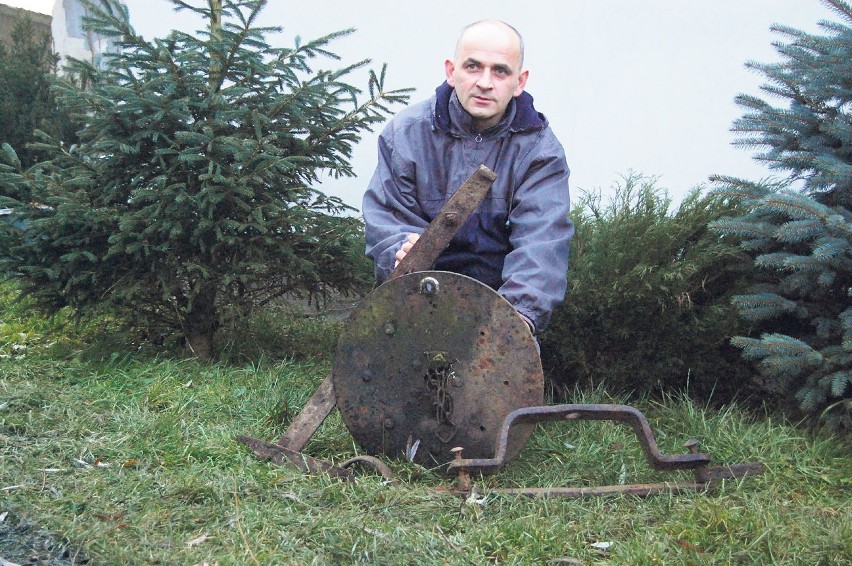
(799, 228)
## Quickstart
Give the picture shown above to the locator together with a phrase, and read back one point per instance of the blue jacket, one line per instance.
(517, 241)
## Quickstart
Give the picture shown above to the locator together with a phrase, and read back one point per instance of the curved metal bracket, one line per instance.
(694, 460)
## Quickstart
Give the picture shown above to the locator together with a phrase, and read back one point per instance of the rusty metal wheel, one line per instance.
(431, 361)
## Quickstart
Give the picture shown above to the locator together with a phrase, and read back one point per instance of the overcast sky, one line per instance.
(642, 85)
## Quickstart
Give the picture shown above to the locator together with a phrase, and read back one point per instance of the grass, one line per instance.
(132, 460)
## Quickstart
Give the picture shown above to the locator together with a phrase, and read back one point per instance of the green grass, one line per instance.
(131, 459)
(135, 462)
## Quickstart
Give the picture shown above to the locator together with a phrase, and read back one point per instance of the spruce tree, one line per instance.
(189, 199)
(799, 228)
(26, 67)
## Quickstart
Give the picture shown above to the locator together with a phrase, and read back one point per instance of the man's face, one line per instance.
(486, 72)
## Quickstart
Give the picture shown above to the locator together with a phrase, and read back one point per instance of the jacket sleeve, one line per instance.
(390, 206)
(535, 272)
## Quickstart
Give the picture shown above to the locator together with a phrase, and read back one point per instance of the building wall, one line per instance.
(64, 27)
(8, 16)
(71, 40)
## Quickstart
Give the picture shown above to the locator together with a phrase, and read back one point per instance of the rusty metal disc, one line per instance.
(431, 361)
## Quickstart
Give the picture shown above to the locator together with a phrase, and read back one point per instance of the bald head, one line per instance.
(496, 25)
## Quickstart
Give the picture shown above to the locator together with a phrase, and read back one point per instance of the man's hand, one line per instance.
(406, 247)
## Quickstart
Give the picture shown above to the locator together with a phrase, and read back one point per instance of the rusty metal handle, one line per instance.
(705, 475)
(621, 413)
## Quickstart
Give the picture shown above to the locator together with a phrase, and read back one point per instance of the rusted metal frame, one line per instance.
(422, 255)
(704, 474)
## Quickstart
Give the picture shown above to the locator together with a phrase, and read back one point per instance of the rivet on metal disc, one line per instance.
(429, 286)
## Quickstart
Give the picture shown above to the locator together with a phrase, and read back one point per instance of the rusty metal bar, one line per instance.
(372, 462)
(704, 475)
(312, 415)
(447, 224)
(715, 473)
(639, 490)
(280, 455)
(620, 413)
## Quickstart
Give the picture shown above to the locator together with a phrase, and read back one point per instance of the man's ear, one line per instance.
(449, 68)
(522, 83)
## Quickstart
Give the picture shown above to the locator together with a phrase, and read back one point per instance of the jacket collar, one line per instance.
(526, 118)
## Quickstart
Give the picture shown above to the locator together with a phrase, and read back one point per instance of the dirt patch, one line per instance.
(25, 543)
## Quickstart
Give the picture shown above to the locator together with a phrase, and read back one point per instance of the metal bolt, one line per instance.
(429, 286)
(692, 445)
(701, 472)
(463, 483)
(451, 218)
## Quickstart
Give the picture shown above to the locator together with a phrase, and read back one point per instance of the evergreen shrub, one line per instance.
(648, 307)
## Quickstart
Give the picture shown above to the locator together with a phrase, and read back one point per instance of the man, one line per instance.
(517, 241)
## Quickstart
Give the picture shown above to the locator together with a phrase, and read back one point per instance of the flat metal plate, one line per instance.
(435, 360)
